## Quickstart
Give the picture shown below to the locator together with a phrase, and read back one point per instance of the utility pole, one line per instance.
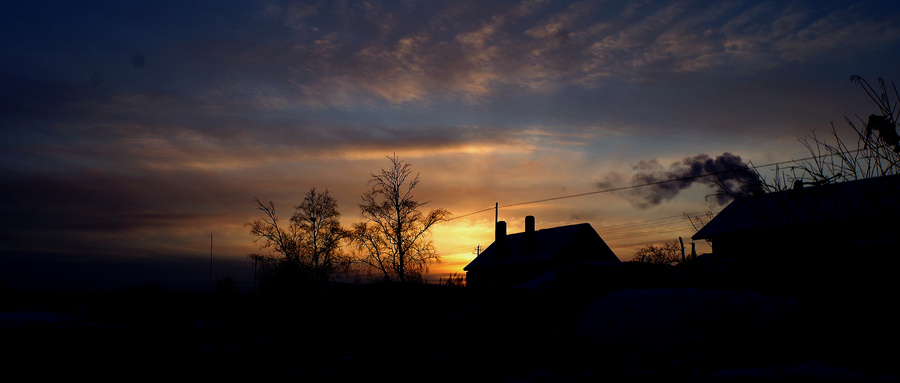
(210, 260)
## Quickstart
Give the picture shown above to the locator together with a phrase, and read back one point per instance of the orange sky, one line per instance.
(133, 131)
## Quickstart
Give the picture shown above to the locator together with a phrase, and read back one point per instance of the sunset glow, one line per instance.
(132, 132)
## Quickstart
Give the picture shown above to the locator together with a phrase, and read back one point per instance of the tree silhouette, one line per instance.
(834, 159)
(270, 234)
(876, 152)
(393, 241)
(307, 249)
(666, 253)
(318, 222)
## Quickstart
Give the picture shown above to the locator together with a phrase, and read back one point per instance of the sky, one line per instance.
(136, 135)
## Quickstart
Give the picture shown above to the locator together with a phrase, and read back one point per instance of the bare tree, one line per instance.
(394, 239)
(665, 253)
(277, 270)
(307, 248)
(269, 233)
(832, 159)
(318, 221)
(841, 210)
(877, 145)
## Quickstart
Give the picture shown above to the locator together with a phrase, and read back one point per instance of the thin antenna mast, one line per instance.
(210, 260)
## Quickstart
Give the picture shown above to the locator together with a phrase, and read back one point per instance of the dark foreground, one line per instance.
(592, 323)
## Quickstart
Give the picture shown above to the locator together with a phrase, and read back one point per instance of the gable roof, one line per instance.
(547, 244)
(858, 201)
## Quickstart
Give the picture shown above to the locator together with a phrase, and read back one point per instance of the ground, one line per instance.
(590, 323)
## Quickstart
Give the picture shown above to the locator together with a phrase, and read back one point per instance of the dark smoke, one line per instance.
(726, 173)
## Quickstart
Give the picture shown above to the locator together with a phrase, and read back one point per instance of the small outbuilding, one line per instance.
(516, 258)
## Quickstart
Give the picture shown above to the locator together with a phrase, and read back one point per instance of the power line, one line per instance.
(472, 213)
(655, 222)
(456, 250)
(670, 229)
(621, 232)
(667, 225)
(643, 243)
(743, 168)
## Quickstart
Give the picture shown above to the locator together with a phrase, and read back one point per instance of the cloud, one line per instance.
(90, 211)
(284, 55)
(345, 54)
(835, 32)
(492, 101)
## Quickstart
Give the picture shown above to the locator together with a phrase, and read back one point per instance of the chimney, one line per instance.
(500, 237)
(529, 233)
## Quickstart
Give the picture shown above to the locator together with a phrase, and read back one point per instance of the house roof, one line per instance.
(851, 201)
(547, 244)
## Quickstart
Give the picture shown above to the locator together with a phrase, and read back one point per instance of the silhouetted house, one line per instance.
(831, 222)
(520, 257)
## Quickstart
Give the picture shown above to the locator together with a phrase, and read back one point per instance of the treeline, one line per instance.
(312, 247)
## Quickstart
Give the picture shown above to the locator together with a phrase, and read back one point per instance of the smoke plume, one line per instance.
(726, 173)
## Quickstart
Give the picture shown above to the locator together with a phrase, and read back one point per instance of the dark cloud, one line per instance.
(94, 209)
(339, 53)
(30, 99)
